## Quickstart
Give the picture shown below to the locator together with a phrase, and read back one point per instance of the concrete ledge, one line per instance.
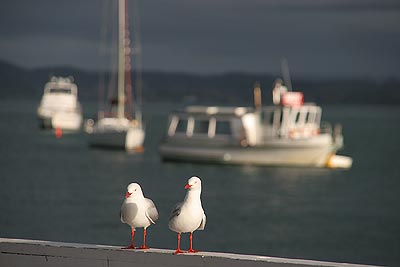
(20, 252)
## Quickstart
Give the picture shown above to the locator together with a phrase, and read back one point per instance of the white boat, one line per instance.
(287, 133)
(59, 107)
(118, 128)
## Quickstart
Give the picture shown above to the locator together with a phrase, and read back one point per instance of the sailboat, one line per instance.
(119, 129)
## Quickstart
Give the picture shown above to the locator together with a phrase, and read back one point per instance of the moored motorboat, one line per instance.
(59, 107)
(287, 133)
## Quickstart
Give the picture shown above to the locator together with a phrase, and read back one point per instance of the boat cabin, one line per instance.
(60, 85)
(291, 121)
(215, 124)
(244, 126)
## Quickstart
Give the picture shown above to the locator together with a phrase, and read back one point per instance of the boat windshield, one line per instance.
(205, 126)
(201, 127)
(60, 91)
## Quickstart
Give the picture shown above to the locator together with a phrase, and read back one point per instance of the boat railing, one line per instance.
(337, 136)
(325, 128)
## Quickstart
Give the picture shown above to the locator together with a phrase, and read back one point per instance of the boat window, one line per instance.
(269, 118)
(223, 127)
(200, 127)
(280, 117)
(297, 117)
(311, 117)
(277, 118)
(182, 126)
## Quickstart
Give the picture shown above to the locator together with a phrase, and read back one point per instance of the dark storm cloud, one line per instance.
(329, 37)
(46, 17)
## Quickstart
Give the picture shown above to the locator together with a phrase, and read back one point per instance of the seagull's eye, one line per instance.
(135, 189)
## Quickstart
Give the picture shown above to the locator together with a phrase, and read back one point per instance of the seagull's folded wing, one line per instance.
(151, 211)
(203, 222)
(122, 214)
(176, 211)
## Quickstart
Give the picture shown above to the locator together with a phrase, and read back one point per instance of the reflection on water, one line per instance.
(60, 189)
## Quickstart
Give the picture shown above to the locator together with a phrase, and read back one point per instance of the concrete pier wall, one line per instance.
(19, 252)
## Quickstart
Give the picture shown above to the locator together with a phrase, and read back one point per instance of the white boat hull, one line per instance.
(67, 121)
(316, 156)
(70, 121)
(314, 153)
(114, 134)
(134, 138)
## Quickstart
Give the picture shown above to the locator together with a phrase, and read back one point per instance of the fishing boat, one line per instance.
(59, 107)
(118, 128)
(288, 132)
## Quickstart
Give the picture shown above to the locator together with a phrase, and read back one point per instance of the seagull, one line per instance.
(138, 211)
(188, 216)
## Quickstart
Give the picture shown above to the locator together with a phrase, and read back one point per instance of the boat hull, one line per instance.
(61, 120)
(67, 121)
(45, 122)
(273, 154)
(130, 139)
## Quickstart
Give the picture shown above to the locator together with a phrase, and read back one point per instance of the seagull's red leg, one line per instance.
(144, 240)
(191, 244)
(178, 250)
(132, 245)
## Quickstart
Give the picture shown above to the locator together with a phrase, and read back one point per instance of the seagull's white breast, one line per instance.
(190, 216)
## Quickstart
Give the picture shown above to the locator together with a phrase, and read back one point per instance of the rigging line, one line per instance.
(112, 54)
(138, 60)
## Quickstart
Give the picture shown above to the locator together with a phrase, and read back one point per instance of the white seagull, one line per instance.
(188, 215)
(138, 211)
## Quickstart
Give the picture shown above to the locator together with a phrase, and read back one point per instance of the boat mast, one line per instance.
(121, 59)
(128, 67)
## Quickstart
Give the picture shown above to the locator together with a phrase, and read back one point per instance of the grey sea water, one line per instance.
(62, 190)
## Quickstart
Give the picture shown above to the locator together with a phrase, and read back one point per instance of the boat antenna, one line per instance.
(286, 73)
(257, 96)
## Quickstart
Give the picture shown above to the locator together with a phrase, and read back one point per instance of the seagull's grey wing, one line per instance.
(176, 211)
(122, 214)
(151, 211)
(203, 222)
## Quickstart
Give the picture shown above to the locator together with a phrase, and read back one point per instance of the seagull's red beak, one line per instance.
(187, 186)
(127, 194)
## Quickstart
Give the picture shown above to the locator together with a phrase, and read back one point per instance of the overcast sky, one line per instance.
(319, 38)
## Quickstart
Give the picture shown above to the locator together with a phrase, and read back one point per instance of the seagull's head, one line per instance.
(193, 183)
(134, 190)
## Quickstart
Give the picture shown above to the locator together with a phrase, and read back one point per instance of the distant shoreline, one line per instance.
(222, 89)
